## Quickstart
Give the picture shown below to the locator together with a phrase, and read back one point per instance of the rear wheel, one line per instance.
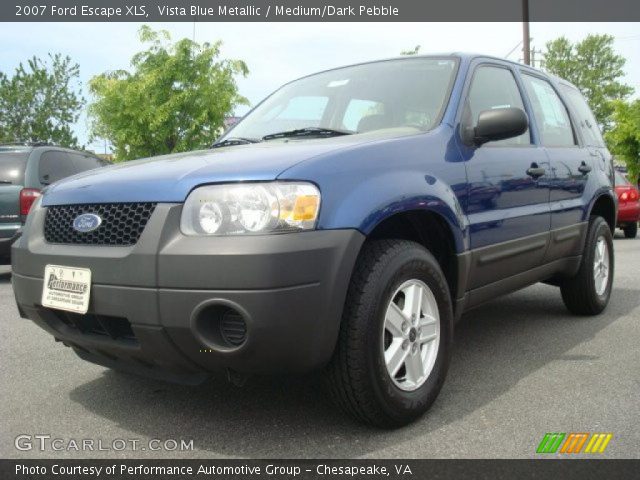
(631, 230)
(588, 292)
(395, 339)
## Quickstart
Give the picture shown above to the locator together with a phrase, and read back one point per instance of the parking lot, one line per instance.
(522, 366)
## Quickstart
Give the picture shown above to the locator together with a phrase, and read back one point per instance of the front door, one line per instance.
(508, 190)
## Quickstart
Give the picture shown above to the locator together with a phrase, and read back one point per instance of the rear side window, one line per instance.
(12, 167)
(55, 166)
(586, 121)
(491, 88)
(551, 114)
(83, 163)
(621, 180)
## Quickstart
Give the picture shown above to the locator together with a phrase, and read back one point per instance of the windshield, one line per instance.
(375, 96)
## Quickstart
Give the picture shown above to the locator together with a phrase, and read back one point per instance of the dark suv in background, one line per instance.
(25, 169)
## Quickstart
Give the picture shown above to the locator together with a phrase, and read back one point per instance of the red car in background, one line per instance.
(628, 206)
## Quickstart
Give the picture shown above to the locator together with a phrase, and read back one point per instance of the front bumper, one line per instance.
(171, 289)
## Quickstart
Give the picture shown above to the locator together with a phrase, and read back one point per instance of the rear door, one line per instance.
(560, 141)
(570, 163)
(12, 167)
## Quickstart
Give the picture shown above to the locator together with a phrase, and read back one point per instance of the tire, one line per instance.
(357, 376)
(580, 293)
(631, 230)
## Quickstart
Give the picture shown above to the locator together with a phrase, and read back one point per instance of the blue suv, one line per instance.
(343, 225)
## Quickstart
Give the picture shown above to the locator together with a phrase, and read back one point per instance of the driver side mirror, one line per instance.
(497, 124)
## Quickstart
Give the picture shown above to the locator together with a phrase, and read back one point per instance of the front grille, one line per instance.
(122, 223)
(117, 328)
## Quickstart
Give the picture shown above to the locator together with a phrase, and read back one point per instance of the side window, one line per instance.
(551, 114)
(83, 163)
(55, 166)
(586, 121)
(495, 87)
(357, 110)
(621, 180)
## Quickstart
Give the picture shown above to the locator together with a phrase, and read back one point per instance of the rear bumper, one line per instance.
(7, 237)
(171, 293)
(5, 247)
(628, 212)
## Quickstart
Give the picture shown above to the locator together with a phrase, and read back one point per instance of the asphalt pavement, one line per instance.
(522, 366)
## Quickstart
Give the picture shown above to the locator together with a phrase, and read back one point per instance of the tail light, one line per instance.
(28, 196)
(629, 195)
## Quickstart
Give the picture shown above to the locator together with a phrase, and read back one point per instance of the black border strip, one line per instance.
(309, 469)
(321, 10)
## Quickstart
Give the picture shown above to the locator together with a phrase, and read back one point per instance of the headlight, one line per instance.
(250, 208)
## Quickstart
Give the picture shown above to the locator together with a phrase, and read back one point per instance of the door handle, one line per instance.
(584, 168)
(534, 171)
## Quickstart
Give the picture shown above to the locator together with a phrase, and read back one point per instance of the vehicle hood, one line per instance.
(170, 178)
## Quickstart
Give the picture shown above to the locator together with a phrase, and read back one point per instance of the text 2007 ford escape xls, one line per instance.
(342, 225)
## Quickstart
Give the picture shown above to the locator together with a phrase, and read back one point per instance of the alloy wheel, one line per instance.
(411, 335)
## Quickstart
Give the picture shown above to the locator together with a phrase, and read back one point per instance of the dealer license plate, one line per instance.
(66, 288)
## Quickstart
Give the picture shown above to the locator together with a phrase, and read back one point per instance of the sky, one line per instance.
(279, 52)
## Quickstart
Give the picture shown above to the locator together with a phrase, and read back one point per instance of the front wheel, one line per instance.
(395, 338)
(588, 292)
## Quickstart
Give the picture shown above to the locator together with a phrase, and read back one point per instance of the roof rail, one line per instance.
(27, 144)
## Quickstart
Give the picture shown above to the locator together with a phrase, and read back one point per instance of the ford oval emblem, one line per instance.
(87, 222)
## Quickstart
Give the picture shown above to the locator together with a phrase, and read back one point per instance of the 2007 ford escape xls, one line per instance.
(343, 224)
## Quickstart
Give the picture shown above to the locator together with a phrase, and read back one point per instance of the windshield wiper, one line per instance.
(307, 132)
(233, 141)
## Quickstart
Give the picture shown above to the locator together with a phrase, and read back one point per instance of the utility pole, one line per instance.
(533, 57)
(537, 61)
(526, 46)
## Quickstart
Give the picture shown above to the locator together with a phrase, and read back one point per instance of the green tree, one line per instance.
(624, 138)
(174, 100)
(593, 66)
(41, 101)
(414, 51)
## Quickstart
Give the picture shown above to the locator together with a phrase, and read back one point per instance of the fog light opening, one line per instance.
(221, 326)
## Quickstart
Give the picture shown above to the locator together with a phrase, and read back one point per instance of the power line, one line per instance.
(626, 37)
(513, 49)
